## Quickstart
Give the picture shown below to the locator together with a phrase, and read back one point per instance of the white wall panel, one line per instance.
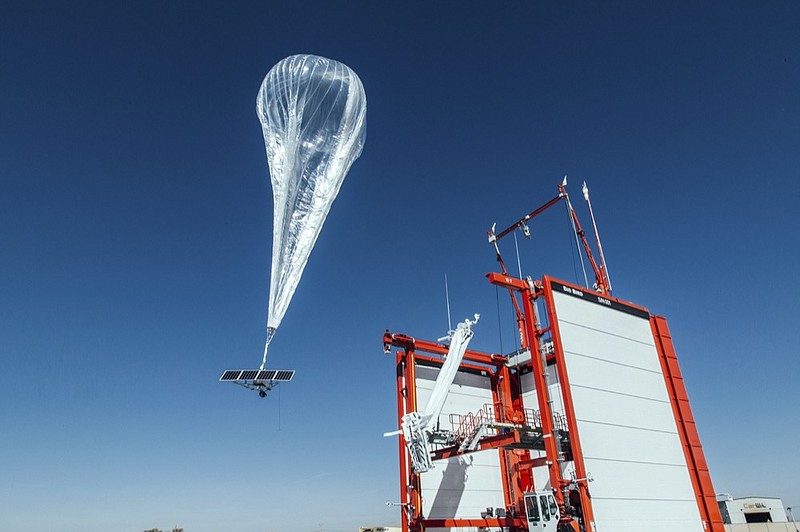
(640, 445)
(529, 397)
(608, 347)
(466, 487)
(626, 425)
(617, 378)
(603, 406)
(619, 479)
(647, 516)
(577, 311)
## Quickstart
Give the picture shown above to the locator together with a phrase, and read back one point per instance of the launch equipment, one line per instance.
(586, 427)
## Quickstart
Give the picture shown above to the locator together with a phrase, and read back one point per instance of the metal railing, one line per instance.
(466, 426)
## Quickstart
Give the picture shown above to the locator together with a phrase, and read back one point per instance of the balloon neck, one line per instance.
(270, 334)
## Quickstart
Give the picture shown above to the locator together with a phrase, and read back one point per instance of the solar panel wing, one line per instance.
(248, 374)
(266, 375)
(284, 375)
(261, 375)
(230, 375)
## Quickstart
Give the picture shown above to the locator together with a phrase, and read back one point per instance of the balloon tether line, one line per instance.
(270, 334)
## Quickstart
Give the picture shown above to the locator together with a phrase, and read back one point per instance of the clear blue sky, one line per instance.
(135, 235)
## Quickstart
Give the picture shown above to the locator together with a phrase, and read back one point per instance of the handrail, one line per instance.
(464, 426)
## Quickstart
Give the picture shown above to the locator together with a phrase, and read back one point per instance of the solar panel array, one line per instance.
(282, 375)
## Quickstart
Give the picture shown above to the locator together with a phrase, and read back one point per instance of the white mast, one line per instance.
(597, 236)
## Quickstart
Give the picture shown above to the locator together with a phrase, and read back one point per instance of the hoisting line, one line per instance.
(575, 232)
(519, 263)
(597, 237)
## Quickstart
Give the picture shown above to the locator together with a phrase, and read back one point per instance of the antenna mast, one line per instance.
(447, 297)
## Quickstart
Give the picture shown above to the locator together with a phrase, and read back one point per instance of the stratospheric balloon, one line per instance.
(313, 117)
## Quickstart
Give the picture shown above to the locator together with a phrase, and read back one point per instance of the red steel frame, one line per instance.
(410, 485)
(516, 465)
(532, 334)
(569, 406)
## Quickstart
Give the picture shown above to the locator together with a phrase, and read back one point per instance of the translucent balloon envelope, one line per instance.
(313, 116)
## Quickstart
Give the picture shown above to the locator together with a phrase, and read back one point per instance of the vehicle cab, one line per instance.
(542, 511)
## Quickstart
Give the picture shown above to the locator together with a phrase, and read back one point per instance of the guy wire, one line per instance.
(519, 264)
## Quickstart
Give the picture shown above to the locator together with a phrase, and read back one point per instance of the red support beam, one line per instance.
(414, 344)
(600, 276)
(527, 291)
(490, 442)
(493, 522)
(410, 493)
(687, 430)
(506, 281)
(501, 398)
(527, 217)
(569, 407)
(439, 361)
